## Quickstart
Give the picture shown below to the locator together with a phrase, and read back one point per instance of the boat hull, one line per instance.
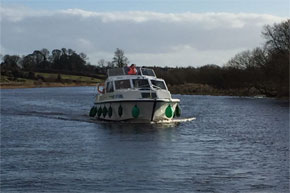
(153, 110)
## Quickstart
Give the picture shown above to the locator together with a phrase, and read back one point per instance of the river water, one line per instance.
(49, 144)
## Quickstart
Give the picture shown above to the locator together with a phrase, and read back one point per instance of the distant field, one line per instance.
(6, 79)
(48, 80)
(69, 77)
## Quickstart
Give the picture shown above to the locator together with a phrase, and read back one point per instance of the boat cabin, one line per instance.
(144, 79)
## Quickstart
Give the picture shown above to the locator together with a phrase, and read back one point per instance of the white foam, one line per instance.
(179, 120)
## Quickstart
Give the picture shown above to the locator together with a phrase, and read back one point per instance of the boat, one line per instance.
(134, 95)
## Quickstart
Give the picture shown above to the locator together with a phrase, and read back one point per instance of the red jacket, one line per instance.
(132, 71)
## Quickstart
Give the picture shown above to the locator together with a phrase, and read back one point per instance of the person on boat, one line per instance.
(132, 69)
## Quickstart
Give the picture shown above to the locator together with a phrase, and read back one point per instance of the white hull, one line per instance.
(139, 98)
(148, 110)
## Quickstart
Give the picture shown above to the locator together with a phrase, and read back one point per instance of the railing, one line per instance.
(124, 71)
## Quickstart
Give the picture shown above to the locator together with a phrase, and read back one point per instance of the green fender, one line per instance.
(110, 112)
(135, 111)
(169, 111)
(105, 111)
(177, 112)
(120, 111)
(93, 111)
(100, 111)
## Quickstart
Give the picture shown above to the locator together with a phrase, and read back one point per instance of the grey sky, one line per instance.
(147, 37)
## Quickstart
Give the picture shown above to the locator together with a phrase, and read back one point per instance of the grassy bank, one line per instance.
(69, 80)
(204, 89)
(63, 80)
(48, 80)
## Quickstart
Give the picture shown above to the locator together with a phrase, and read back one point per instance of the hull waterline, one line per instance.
(136, 110)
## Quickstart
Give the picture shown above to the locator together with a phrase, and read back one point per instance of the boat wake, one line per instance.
(179, 120)
(86, 118)
(163, 122)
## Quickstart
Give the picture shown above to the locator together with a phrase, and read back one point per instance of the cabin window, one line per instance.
(141, 83)
(158, 84)
(149, 95)
(122, 84)
(109, 87)
(147, 72)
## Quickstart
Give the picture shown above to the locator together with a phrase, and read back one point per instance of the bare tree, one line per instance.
(110, 64)
(278, 36)
(241, 60)
(101, 63)
(83, 56)
(119, 59)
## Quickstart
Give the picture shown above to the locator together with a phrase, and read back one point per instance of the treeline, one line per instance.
(61, 61)
(265, 69)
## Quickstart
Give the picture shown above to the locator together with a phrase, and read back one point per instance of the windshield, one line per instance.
(147, 72)
(158, 84)
(122, 84)
(109, 87)
(141, 83)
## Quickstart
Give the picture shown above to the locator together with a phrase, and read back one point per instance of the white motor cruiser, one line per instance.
(135, 97)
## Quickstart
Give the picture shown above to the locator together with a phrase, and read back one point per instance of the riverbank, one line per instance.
(63, 80)
(204, 89)
(186, 89)
(47, 80)
(45, 84)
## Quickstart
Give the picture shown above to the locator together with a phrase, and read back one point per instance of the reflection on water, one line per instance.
(50, 144)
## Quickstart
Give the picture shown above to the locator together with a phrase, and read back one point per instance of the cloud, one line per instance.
(148, 38)
(184, 56)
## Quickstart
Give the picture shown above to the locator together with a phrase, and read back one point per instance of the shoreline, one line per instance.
(183, 89)
(196, 89)
(44, 85)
